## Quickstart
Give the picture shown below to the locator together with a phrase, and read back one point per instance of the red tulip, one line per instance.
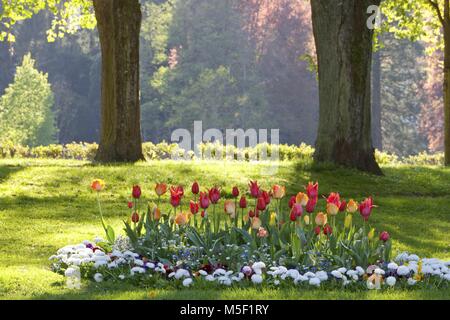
(317, 230)
(343, 206)
(384, 236)
(292, 201)
(261, 204)
(254, 189)
(293, 216)
(312, 190)
(204, 214)
(130, 205)
(135, 217)
(195, 188)
(334, 198)
(204, 200)
(136, 193)
(311, 205)
(365, 208)
(297, 209)
(327, 230)
(175, 196)
(243, 203)
(251, 214)
(266, 197)
(235, 192)
(214, 195)
(194, 207)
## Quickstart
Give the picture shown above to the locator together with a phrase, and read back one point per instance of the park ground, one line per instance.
(47, 204)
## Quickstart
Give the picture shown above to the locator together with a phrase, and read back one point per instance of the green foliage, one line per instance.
(26, 116)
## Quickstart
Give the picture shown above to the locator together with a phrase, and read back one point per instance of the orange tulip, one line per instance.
(256, 223)
(98, 185)
(352, 206)
(302, 198)
(160, 189)
(321, 219)
(182, 219)
(332, 209)
(278, 192)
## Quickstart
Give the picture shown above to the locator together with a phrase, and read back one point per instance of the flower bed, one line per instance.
(246, 240)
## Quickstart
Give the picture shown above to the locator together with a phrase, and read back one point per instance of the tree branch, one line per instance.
(435, 5)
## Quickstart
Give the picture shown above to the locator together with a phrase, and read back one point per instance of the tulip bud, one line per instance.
(136, 193)
(371, 234)
(273, 219)
(235, 192)
(348, 221)
(156, 213)
(307, 220)
(342, 206)
(204, 214)
(384, 236)
(195, 188)
(293, 216)
(251, 214)
(135, 217)
(130, 205)
(327, 230)
(243, 203)
(261, 204)
(317, 230)
(265, 195)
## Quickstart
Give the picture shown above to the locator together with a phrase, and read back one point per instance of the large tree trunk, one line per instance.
(119, 23)
(447, 92)
(376, 102)
(344, 54)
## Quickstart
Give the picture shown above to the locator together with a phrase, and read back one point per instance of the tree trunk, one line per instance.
(119, 23)
(376, 102)
(344, 55)
(447, 93)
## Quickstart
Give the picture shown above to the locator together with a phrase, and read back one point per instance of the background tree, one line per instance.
(26, 115)
(429, 21)
(118, 24)
(344, 55)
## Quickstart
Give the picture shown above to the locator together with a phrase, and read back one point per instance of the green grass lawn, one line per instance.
(45, 205)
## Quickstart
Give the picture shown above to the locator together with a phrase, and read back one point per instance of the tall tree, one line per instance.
(427, 20)
(119, 24)
(344, 55)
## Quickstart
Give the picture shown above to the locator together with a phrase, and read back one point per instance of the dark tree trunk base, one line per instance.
(119, 24)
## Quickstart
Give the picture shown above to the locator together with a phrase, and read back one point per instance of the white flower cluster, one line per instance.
(405, 267)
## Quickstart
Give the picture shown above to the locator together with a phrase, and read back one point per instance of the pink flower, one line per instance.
(136, 193)
(384, 236)
(312, 190)
(262, 233)
(365, 208)
(254, 189)
(235, 192)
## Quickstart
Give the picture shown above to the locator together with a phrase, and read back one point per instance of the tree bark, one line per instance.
(447, 92)
(376, 102)
(344, 55)
(119, 23)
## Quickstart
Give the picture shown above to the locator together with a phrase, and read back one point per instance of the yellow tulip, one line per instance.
(371, 234)
(273, 219)
(352, 206)
(306, 219)
(332, 209)
(348, 221)
(302, 198)
(321, 219)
